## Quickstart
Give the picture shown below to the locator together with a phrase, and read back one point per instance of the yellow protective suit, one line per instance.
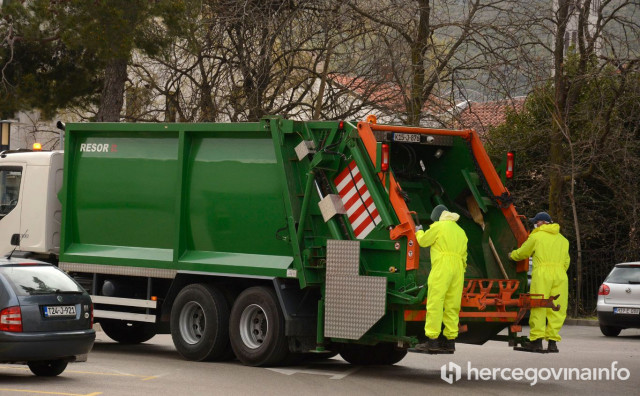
(448, 262)
(550, 252)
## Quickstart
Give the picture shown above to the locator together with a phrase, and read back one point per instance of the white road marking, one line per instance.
(305, 370)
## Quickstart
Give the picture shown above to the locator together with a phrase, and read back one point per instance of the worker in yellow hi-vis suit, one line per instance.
(550, 252)
(444, 294)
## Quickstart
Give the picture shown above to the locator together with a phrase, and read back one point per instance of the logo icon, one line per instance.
(628, 290)
(59, 298)
(451, 373)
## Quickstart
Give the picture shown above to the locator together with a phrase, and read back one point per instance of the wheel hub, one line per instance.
(192, 322)
(254, 326)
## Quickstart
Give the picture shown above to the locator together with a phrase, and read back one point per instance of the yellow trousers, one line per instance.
(549, 280)
(444, 296)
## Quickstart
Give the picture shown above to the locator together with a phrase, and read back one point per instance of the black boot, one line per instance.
(432, 345)
(533, 346)
(553, 347)
(449, 345)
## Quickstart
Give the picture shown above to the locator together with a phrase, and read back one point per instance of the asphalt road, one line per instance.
(156, 369)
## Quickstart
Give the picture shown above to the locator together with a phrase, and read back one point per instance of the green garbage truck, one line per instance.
(273, 239)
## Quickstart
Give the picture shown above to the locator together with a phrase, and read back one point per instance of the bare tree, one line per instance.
(241, 60)
(583, 118)
(433, 49)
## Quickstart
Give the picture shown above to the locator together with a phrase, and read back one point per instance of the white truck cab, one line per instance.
(29, 205)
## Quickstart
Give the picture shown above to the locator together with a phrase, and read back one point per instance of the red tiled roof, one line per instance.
(483, 115)
(385, 94)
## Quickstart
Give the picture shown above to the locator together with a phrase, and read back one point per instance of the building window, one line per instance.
(570, 41)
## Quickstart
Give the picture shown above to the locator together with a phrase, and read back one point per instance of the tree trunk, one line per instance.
(418, 49)
(112, 97)
(576, 225)
(208, 110)
(317, 111)
(557, 155)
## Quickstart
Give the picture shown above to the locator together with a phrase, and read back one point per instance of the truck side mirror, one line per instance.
(15, 240)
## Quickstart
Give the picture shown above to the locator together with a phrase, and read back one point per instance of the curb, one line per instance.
(581, 322)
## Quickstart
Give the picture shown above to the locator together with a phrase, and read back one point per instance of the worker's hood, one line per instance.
(449, 216)
(549, 228)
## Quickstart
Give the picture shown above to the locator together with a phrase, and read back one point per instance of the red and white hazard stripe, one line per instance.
(362, 212)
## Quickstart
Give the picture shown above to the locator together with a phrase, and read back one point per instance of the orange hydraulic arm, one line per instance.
(407, 226)
(478, 296)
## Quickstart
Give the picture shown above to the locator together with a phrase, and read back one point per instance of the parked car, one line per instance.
(619, 299)
(46, 318)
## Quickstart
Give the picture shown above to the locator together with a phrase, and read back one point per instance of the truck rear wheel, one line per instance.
(200, 323)
(368, 355)
(257, 328)
(128, 332)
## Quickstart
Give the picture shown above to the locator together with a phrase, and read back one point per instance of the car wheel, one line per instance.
(257, 329)
(128, 332)
(610, 331)
(200, 323)
(47, 368)
(383, 354)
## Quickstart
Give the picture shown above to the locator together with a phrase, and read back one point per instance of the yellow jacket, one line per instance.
(547, 245)
(445, 237)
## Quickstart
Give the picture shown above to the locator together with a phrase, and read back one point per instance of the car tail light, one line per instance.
(11, 319)
(91, 310)
(604, 290)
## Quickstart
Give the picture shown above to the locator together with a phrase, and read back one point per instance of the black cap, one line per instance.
(542, 216)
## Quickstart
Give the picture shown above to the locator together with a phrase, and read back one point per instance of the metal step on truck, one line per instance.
(268, 240)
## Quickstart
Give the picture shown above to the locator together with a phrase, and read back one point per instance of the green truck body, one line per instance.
(279, 237)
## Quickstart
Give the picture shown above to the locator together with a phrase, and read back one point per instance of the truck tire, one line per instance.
(383, 354)
(128, 332)
(47, 368)
(257, 329)
(610, 331)
(200, 323)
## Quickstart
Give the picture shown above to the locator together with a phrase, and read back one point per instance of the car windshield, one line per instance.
(624, 275)
(38, 279)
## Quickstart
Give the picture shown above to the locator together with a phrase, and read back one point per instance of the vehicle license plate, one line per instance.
(406, 137)
(59, 310)
(632, 311)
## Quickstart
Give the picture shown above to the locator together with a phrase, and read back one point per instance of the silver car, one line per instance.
(46, 318)
(619, 299)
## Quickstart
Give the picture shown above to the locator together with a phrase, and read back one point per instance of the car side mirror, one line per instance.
(15, 240)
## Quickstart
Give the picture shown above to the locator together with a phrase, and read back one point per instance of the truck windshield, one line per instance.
(9, 188)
